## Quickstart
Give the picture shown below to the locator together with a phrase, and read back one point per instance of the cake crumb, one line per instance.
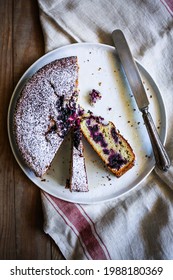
(109, 179)
(94, 95)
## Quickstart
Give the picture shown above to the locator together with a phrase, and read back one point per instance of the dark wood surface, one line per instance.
(21, 219)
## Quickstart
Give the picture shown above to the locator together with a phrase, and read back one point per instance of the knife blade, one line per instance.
(135, 82)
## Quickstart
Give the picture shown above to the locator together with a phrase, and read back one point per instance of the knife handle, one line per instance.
(161, 156)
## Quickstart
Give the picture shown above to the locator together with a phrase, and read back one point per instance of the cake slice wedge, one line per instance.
(109, 144)
(78, 176)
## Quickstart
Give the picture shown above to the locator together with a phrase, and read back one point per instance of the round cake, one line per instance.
(45, 111)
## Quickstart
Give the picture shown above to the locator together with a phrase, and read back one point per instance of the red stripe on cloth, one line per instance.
(93, 245)
(51, 202)
(169, 5)
(96, 232)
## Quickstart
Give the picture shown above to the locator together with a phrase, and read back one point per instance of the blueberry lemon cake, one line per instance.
(78, 176)
(45, 112)
(109, 144)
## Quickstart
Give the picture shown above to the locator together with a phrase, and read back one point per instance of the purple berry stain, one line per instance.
(67, 115)
(97, 136)
(106, 151)
(114, 135)
(116, 160)
(94, 96)
(77, 136)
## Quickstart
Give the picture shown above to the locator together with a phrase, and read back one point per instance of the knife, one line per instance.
(135, 82)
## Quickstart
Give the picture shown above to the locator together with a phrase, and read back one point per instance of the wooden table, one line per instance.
(21, 219)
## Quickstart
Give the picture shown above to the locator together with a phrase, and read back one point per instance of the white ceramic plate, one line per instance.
(100, 69)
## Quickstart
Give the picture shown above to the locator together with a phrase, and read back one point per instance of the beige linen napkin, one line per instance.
(138, 225)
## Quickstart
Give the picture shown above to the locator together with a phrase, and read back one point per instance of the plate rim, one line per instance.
(20, 81)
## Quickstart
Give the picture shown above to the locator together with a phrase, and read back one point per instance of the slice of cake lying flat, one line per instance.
(109, 144)
(45, 112)
(78, 175)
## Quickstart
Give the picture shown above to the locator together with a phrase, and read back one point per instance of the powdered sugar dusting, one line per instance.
(78, 178)
(37, 108)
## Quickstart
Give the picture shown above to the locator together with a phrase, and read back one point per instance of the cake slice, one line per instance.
(78, 176)
(45, 112)
(109, 144)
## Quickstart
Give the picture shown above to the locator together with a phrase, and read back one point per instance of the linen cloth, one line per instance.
(138, 225)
